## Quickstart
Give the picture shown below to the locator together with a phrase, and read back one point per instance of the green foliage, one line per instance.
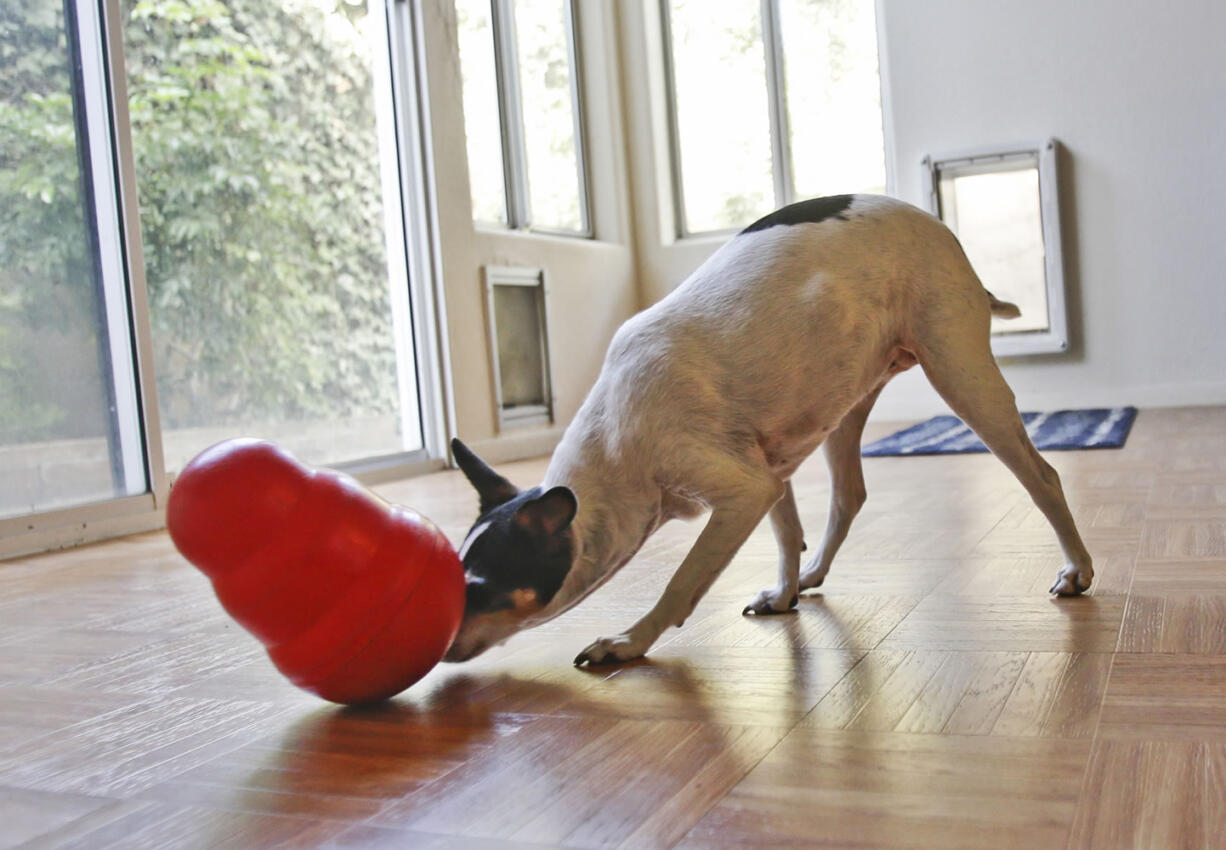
(261, 211)
(49, 379)
(253, 127)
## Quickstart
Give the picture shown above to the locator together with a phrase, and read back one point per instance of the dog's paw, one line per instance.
(1072, 581)
(771, 601)
(810, 579)
(611, 650)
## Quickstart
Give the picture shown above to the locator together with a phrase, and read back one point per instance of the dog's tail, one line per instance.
(1003, 309)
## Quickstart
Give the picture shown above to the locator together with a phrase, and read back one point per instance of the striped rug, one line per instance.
(1102, 428)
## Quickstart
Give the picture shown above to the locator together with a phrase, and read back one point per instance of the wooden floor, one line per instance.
(932, 695)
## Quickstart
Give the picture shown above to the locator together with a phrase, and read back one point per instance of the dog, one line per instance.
(709, 401)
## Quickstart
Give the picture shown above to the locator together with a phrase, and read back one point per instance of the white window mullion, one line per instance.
(781, 148)
(414, 156)
(118, 327)
(133, 246)
(576, 101)
(514, 155)
(394, 228)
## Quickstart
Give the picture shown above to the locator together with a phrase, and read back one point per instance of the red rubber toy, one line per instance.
(354, 598)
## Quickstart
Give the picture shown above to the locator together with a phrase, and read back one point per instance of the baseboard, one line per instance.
(915, 399)
(1201, 394)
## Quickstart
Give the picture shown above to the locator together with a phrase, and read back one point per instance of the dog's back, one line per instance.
(782, 330)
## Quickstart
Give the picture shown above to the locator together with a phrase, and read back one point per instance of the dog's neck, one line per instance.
(614, 519)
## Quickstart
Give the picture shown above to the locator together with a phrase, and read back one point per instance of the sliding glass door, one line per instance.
(209, 227)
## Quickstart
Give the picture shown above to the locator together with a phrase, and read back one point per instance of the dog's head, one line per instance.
(515, 556)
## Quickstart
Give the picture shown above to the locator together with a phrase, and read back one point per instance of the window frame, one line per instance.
(511, 121)
(782, 169)
(99, 25)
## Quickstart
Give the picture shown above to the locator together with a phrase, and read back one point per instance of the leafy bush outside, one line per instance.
(261, 216)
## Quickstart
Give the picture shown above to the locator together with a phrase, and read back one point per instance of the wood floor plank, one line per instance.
(1057, 695)
(165, 825)
(738, 686)
(714, 770)
(1184, 538)
(585, 780)
(1175, 623)
(823, 788)
(981, 693)
(904, 578)
(1081, 624)
(1182, 497)
(1163, 695)
(1143, 794)
(1215, 790)
(366, 837)
(986, 695)
(89, 830)
(30, 712)
(28, 815)
(37, 654)
(1155, 578)
(135, 746)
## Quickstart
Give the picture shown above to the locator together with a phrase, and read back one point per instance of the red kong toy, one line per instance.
(354, 598)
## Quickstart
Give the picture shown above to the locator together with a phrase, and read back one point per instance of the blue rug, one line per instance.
(1063, 430)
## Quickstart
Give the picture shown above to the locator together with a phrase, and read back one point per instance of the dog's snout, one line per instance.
(456, 653)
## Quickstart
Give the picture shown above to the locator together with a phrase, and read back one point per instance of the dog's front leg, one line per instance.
(732, 520)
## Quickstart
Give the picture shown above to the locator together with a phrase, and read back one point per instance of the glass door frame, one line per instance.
(99, 24)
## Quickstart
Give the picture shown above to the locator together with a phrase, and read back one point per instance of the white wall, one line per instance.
(1136, 91)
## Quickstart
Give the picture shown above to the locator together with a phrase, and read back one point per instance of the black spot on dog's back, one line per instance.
(810, 211)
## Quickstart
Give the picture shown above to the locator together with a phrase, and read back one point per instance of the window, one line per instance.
(205, 233)
(277, 283)
(772, 101)
(522, 115)
(70, 430)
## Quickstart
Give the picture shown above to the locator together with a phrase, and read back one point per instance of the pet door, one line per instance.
(1003, 207)
(519, 342)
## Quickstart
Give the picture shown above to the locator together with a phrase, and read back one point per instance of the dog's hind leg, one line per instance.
(847, 493)
(957, 358)
(785, 522)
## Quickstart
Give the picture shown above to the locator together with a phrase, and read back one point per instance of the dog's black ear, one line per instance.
(493, 489)
(549, 513)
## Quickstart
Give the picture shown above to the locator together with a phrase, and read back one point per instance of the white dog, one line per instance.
(712, 398)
